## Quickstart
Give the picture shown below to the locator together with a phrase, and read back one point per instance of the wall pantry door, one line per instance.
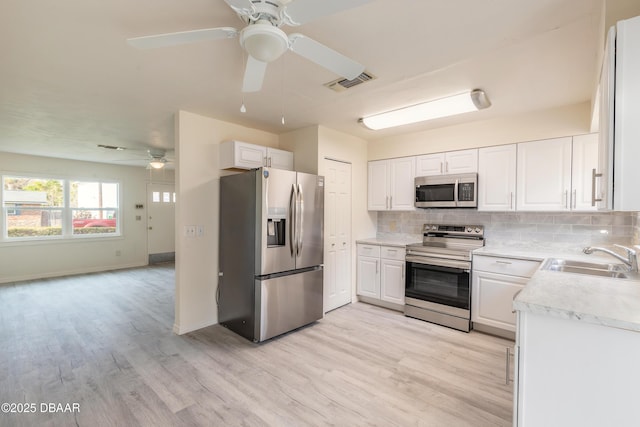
(161, 205)
(337, 235)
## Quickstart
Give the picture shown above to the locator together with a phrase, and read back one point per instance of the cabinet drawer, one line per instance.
(392, 252)
(369, 250)
(510, 266)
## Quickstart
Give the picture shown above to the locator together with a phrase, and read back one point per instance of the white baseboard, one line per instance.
(178, 330)
(71, 272)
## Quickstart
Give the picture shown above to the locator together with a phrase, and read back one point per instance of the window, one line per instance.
(42, 208)
(93, 207)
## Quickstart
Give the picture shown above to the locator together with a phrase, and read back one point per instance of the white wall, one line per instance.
(304, 145)
(37, 259)
(552, 123)
(197, 186)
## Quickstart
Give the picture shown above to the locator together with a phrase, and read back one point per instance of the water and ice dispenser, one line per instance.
(276, 226)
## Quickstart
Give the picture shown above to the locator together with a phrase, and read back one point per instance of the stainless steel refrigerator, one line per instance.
(271, 252)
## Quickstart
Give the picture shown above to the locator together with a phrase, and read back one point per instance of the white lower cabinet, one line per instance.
(571, 372)
(381, 275)
(495, 282)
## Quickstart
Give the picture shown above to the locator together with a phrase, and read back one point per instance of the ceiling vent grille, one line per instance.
(343, 84)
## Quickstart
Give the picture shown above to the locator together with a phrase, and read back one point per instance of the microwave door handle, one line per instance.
(455, 192)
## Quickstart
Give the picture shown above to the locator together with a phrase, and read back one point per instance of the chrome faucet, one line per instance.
(632, 256)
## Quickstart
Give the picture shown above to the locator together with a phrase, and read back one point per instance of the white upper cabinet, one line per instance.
(544, 175)
(556, 174)
(619, 124)
(391, 184)
(242, 155)
(453, 162)
(584, 162)
(497, 178)
(378, 185)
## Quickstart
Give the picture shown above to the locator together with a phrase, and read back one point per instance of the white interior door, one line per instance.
(337, 236)
(161, 202)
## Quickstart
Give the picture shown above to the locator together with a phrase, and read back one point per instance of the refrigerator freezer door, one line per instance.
(276, 189)
(288, 302)
(310, 235)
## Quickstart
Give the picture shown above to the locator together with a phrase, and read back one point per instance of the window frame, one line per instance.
(67, 233)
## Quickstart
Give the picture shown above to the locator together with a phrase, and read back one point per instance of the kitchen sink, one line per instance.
(617, 271)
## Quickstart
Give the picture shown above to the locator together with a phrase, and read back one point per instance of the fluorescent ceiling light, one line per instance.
(457, 104)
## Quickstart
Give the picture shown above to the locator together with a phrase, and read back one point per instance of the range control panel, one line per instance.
(453, 230)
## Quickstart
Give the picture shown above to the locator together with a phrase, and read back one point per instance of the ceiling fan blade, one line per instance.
(253, 75)
(302, 11)
(172, 39)
(325, 56)
(242, 7)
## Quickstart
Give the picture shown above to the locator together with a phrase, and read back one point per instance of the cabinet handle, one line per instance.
(594, 175)
(446, 167)
(269, 160)
(441, 171)
(391, 202)
(566, 199)
(508, 366)
(265, 162)
(511, 201)
(377, 266)
(503, 262)
(575, 198)
(386, 202)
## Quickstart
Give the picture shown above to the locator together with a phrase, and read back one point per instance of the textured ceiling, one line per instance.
(70, 81)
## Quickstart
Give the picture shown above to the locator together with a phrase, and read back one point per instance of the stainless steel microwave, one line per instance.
(447, 191)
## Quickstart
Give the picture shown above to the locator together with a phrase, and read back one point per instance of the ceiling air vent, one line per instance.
(343, 84)
(111, 147)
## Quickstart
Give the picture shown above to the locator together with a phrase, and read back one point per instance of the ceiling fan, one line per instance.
(264, 41)
(157, 158)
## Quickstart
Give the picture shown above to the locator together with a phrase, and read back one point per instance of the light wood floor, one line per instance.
(105, 341)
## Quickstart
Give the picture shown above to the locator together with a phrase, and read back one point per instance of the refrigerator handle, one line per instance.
(300, 220)
(292, 219)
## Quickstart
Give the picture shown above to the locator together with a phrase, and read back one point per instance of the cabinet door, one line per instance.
(378, 185)
(497, 178)
(249, 156)
(402, 192)
(492, 299)
(604, 183)
(368, 277)
(280, 159)
(430, 164)
(544, 175)
(241, 155)
(584, 161)
(392, 281)
(465, 161)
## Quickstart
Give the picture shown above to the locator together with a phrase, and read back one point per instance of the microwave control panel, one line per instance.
(465, 192)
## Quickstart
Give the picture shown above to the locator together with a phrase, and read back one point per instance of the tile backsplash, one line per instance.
(549, 228)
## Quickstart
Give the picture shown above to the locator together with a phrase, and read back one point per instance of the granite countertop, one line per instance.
(598, 300)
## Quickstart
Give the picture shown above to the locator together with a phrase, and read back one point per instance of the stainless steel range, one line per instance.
(438, 279)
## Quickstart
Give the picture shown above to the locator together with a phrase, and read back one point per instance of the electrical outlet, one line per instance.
(190, 231)
(200, 230)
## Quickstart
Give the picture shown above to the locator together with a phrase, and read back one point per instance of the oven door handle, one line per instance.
(437, 262)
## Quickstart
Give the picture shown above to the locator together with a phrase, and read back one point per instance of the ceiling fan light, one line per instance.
(449, 106)
(156, 164)
(264, 42)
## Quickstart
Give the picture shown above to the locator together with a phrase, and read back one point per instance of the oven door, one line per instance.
(438, 281)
